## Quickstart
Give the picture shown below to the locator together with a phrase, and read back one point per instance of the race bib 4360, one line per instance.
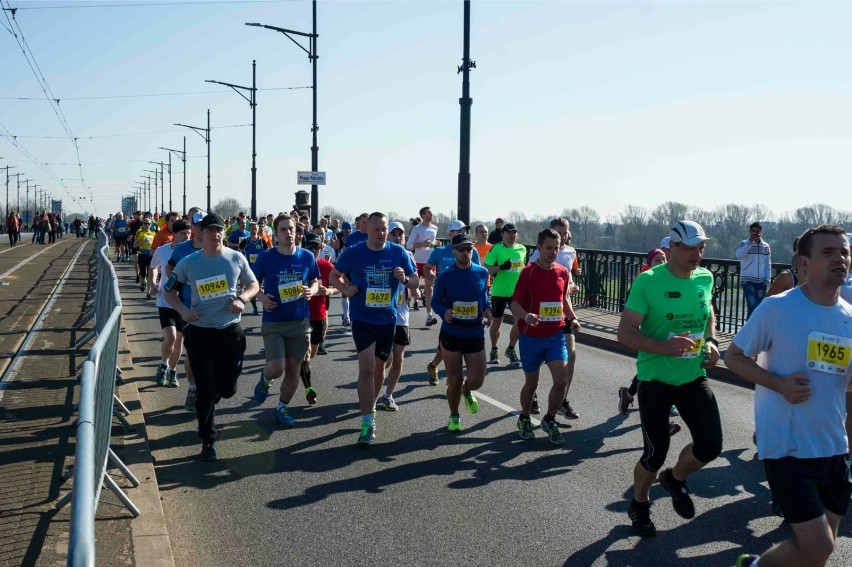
(212, 287)
(465, 310)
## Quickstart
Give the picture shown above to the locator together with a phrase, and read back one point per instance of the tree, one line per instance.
(637, 233)
(228, 207)
(585, 226)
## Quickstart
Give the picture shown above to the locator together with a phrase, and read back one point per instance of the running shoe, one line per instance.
(310, 395)
(208, 451)
(746, 560)
(512, 356)
(142, 284)
(551, 429)
(776, 509)
(347, 323)
(416, 306)
(137, 278)
(387, 403)
(284, 417)
(534, 408)
(261, 389)
(160, 378)
(191, 396)
(431, 320)
(321, 349)
(470, 402)
(673, 428)
(171, 377)
(673, 412)
(681, 501)
(640, 515)
(625, 400)
(566, 410)
(368, 433)
(454, 424)
(525, 428)
(494, 356)
(432, 371)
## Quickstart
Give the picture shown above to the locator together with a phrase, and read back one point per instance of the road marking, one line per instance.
(498, 404)
(10, 248)
(21, 263)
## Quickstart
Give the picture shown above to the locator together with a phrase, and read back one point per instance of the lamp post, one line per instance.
(252, 100)
(7, 168)
(156, 195)
(198, 130)
(154, 171)
(162, 187)
(182, 155)
(464, 130)
(312, 56)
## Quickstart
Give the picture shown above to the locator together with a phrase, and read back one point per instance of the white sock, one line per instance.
(281, 404)
(192, 387)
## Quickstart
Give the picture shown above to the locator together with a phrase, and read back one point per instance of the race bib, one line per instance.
(290, 291)
(400, 297)
(465, 310)
(120, 230)
(828, 353)
(378, 297)
(517, 266)
(550, 311)
(212, 287)
(252, 258)
(698, 344)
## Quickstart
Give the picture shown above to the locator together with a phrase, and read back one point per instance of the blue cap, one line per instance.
(346, 225)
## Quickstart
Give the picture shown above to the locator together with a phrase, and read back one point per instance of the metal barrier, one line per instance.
(97, 408)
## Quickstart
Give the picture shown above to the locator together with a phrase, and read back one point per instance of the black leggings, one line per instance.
(698, 409)
(216, 358)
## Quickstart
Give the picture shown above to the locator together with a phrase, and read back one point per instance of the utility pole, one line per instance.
(198, 130)
(182, 155)
(312, 56)
(252, 100)
(465, 102)
(7, 168)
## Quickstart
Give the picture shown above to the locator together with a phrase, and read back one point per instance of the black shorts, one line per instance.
(698, 409)
(170, 318)
(144, 261)
(401, 336)
(499, 305)
(805, 488)
(318, 330)
(464, 345)
(119, 240)
(366, 334)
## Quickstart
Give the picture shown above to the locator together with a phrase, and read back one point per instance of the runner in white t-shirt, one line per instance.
(421, 241)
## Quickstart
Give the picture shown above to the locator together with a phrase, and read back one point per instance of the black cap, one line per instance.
(311, 239)
(242, 214)
(460, 239)
(508, 227)
(212, 220)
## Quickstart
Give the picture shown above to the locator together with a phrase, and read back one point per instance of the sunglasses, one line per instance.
(464, 249)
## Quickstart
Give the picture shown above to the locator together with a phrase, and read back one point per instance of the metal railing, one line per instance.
(97, 408)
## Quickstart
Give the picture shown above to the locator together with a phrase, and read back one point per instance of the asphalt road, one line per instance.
(421, 496)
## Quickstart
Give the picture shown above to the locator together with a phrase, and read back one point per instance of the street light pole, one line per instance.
(7, 168)
(312, 56)
(198, 130)
(464, 130)
(182, 155)
(252, 100)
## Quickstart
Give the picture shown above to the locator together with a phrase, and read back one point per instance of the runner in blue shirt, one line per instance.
(252, 247)
(370, 275)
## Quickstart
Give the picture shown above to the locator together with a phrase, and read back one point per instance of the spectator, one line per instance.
(755, 267)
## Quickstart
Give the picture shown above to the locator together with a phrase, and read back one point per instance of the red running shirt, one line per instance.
(318, 304)
(541, 292)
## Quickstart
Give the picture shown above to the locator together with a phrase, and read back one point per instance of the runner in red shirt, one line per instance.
(318, 306)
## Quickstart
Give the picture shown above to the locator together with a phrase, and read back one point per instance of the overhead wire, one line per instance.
(150, 94)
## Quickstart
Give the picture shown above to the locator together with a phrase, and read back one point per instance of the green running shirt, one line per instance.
(504, 281)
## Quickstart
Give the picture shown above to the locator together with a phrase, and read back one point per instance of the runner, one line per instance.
(803, 342)
(668, 319)
(504, 263)
(166, 233)
(170, 321)
(119, 236)
(440, 259)
(144, 239)
(215, 342)
(251, 247)
(421, 241)
(340, 246)
(401, 337)
(566, 257)
(370, 275)
(359, 235)
(289, 278)
(461, 301)
(238, 234)
(319, 310)
(540, 304)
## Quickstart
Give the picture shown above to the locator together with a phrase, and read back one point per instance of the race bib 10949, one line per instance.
(212, 287)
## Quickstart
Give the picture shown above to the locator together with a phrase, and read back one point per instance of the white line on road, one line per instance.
(508, 409)
(21, 263)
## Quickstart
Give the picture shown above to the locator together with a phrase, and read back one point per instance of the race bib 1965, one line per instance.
(465, 310)
(290, 291)
(828, 353)
(212, 287)
(378, 297)
(550, 311)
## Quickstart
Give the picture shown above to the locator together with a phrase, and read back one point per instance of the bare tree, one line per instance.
(228, 207)
(585, 226)
(637, 233)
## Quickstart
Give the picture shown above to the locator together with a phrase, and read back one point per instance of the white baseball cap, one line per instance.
(396, 225)
(198, 216)
(666, 243)
(689, 233)
(457, 225)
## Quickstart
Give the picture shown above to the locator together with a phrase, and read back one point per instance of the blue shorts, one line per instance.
(538, 350)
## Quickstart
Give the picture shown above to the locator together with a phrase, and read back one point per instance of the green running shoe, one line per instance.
(368, 433)
(454, 424)
(470, 402)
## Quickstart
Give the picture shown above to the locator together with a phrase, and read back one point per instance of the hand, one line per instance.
(399, 274)
(487, 318)
(573, 289)
(506, 265)
(414, 293)
(349, 291)
(711, 356)
(306, 292)
(268, 301)
(575, 326)
(190, 316)
(795, 388)
(236, 306)
(679, 344)
(321, 290)
(448, 315)
(153, 289)
(531, 319)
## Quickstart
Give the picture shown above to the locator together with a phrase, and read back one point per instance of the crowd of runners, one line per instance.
(204, 271)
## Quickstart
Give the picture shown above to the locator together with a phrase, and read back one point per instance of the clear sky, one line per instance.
(600, 103)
